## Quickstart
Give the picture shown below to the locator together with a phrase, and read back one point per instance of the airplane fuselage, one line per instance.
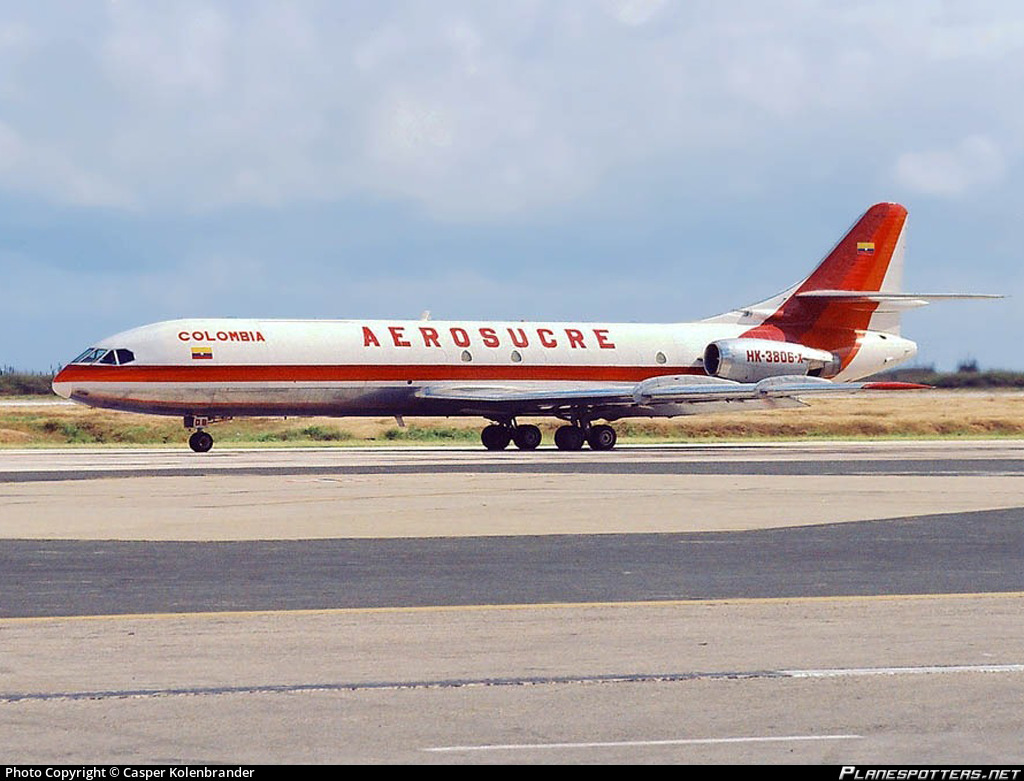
(227, 367)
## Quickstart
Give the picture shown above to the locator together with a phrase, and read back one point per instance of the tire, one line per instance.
(526, 437)
(495, 437)
(601, 437)
(200, 442)
(569, 438)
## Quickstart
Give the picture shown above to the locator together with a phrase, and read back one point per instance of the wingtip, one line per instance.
(891, 386)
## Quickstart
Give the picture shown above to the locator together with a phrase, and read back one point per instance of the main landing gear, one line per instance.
(498, 436)
(572, 437)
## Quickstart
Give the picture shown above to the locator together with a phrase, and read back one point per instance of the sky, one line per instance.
(590, 160)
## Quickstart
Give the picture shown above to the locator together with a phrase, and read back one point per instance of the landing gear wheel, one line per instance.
(526, 437)
(200, 442)
(601, 437)
(496, 437)
(569, 438)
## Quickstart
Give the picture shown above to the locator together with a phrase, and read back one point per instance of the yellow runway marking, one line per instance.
(363, 611)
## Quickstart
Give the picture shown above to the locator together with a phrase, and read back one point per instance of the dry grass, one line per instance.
(925, 414)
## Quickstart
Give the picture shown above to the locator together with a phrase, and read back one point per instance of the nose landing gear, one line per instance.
(200, 441)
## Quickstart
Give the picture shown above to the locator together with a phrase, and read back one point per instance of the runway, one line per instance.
(825, 602)
(899, 556)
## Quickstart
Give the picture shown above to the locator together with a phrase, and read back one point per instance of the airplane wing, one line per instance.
(652, 392)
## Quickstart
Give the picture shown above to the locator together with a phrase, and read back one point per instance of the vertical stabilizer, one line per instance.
(824, 310)
(869, 258)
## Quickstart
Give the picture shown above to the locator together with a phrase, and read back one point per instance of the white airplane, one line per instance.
(839, 324)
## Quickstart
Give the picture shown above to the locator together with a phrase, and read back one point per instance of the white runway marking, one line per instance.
(641, 743)
(859, 672)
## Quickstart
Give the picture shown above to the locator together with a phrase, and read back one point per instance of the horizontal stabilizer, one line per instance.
(887, 303)
(882, 296)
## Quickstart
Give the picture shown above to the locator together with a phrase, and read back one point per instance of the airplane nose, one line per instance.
(61, 386)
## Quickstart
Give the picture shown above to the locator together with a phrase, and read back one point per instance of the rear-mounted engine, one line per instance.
(751, 360)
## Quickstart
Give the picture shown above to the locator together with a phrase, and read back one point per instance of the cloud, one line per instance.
(475, 111)
(36, 168)
(974, 163)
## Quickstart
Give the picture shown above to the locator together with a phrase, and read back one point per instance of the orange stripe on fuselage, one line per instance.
(362, 373)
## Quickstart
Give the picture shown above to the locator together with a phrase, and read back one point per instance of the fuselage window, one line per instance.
(660, 358)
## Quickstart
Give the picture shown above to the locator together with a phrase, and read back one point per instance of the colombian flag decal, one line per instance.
(202, 353)
(865, 247)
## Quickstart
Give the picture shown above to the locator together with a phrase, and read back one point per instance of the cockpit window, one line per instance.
(118, 357)
(91, 355)
(81, 358)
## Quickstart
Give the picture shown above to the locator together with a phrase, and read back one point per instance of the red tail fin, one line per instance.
(869, 258)
(863, 258)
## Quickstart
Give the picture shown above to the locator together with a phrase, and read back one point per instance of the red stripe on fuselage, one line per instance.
(362, 373)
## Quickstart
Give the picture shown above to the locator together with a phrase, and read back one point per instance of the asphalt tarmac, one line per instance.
(823, 603)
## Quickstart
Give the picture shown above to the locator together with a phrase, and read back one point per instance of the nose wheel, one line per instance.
(200, 442)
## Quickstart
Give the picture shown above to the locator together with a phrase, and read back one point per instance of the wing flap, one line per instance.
(667, 389)
(532, 393)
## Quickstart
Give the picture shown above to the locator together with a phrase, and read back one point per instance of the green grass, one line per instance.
(304, 435)
(432, 434)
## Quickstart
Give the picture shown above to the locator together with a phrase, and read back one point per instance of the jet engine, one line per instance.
(752, 360)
